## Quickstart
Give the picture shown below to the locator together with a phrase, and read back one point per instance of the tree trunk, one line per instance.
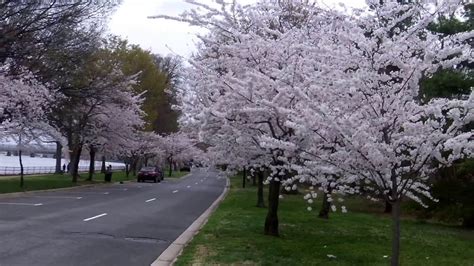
(171, 167)
(271, 222)
(324, 212)
(244, 177)
(145, 160)
(59, 151)
(22, 180)
(254, 180)
(260, 199)
(395, 261)
(102, 167)
(75, 156)
(468, 220)
(388, 207)
(91, 163)
(134, 166)
(127, 170)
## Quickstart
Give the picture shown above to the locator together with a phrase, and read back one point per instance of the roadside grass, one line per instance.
(176, 174)
(234, 236)
(53, 181)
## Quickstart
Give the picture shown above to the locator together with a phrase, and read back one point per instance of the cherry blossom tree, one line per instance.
(241, 82)
(333, 96)
(176, 148)
(363, 110)
(24, 104)
(111, 133)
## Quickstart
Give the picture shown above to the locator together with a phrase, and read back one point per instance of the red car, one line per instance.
(150, 173)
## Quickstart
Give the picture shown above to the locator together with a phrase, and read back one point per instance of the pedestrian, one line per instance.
(64, 168)
(108, 174)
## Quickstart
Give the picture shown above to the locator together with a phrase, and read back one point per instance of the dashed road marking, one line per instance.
(23, 204)
(150, 200)
(94, 217)
(56, 197)
(88, 192)
(196, 183)
(174, 191)
(188, 186)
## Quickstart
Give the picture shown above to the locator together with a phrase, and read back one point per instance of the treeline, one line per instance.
(63, 80)
(372, 102)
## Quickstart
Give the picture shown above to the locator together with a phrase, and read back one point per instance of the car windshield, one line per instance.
(148, 169)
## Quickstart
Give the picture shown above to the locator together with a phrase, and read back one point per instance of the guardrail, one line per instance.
(31, 170)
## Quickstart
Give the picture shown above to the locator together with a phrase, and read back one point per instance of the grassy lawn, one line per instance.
(54, 181)
(176, 174)
(234, 236)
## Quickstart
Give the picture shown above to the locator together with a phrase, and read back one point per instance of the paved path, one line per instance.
(118, 224)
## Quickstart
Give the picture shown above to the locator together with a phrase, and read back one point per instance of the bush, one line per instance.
(454, 188)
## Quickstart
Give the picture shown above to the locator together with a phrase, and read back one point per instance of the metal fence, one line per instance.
(30, 170)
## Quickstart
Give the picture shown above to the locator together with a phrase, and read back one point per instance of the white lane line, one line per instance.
(87, 192)
(23, 204)
(196, 183)
(174, 191)
(95, 217)
(188, 186)
(112, 188)
(150, 200)
(56, 197)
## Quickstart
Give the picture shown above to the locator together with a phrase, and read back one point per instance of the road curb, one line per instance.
(170, 255)
(24, 193)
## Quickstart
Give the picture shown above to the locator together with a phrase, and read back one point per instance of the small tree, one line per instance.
(23, 110)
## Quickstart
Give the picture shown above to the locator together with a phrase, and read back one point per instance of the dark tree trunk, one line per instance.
(468, 220)
(271, 222)
(388, 207)
(244, 177)
(22, 179)
(395, 261)
(254, 180)
(102, 167)
(134, 166)
(145, 160)
(91, 163)
(260, 199)
(75, 156)
(58, 154)
(171, 167)
(324, 212)
(127, 170)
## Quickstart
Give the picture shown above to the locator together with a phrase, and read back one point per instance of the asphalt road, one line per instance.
(117, 224)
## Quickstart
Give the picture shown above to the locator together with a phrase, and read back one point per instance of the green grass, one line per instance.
(234, 236)
(52, 181)
(176, 174)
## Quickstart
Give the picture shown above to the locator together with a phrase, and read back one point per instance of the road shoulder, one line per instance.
(170, 255)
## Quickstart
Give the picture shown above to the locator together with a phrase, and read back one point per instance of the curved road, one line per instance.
(117, 224)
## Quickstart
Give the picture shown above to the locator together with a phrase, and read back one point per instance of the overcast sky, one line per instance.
(163, 36)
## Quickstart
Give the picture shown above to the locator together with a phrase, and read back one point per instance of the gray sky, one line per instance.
(163, 36)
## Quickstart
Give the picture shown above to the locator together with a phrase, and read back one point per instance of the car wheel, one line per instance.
(138, 180)
(154, 180)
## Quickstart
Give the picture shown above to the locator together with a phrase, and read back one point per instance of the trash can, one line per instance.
(108, 176)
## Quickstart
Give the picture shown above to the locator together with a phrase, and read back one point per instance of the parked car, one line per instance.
(152, 173)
